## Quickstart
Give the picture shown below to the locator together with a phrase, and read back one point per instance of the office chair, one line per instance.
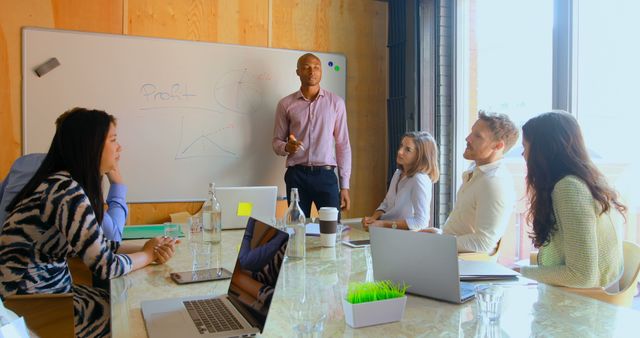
(482, 256)
(80, 273)
(628, 281)
(20, 173)
(47, 315)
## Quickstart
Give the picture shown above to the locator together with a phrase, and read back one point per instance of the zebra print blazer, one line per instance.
(56, 221)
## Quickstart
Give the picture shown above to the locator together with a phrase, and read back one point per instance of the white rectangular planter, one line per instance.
(374, 313)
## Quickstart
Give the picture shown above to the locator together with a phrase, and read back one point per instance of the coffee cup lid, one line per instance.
(328, 213)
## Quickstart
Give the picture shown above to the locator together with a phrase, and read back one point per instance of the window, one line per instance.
(606, 85)
(504, 64)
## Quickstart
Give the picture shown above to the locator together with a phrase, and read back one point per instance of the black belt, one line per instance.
(313, 168)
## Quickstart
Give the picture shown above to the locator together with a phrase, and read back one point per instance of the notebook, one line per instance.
(145, 231)
(239, 312)
(240, 203)
(426, 262)
(479, 271)
(313, 229)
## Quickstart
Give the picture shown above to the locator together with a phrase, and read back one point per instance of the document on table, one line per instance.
(313, 229)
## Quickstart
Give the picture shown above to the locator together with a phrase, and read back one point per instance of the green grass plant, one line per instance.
(372, 291)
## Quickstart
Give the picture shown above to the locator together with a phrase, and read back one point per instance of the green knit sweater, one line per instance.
(585, 250)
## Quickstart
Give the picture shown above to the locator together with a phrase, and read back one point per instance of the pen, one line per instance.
(293, 137)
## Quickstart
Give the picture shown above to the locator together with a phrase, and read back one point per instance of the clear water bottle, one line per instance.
(211, 218)
(294, 221)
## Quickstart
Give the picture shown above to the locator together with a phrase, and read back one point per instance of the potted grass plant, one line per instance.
(373, 303)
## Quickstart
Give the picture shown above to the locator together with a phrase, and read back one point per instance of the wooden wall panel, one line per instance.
(100, 16)
(240, 22)
(13, 16)
(356, 28)
(9, 127)
(157, 213)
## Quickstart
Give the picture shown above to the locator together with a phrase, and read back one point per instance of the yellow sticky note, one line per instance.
(244, 209)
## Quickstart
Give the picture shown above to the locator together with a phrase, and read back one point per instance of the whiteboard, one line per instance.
(188, 112)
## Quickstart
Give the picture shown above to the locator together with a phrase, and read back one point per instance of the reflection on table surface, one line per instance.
(309, 292)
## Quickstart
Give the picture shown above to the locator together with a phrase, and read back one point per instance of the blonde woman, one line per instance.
(407, 204)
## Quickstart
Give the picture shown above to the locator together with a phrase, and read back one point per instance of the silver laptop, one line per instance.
(240, 203)
(241, 312)
(427, 263)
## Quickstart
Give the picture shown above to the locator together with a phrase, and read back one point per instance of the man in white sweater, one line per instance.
(486, 198)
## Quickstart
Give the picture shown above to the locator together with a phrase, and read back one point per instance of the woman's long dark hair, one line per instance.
(557, 149)
(77, 148)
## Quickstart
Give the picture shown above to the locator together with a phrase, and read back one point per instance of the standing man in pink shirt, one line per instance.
(311, 130)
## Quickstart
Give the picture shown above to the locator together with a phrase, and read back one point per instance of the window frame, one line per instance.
(564, 79)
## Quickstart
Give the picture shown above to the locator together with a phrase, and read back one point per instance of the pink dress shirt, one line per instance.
(321, 126)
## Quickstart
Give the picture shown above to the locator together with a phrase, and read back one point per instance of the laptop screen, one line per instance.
(257, 268)
(240, 203)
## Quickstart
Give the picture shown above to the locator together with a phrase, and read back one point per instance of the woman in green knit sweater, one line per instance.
(573, 211)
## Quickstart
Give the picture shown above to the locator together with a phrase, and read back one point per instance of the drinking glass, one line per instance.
(489, 302)
(194, 225)
(201, 254)
(172, 230)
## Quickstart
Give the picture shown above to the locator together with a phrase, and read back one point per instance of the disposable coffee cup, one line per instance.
(328, 223)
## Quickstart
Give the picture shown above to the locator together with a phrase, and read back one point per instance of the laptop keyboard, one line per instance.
(211, 315)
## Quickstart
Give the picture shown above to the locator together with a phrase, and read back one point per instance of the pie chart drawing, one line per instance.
(237, 91)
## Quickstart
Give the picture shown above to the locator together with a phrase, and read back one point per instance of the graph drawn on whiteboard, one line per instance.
(203, 137)
(237, 91)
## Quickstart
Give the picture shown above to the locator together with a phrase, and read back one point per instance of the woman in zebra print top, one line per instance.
(57, 214)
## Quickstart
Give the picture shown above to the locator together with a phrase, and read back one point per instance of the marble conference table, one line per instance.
(309, 294)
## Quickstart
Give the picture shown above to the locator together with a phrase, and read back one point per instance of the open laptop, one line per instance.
(239, 313)
(240, 203)
(427, 263)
